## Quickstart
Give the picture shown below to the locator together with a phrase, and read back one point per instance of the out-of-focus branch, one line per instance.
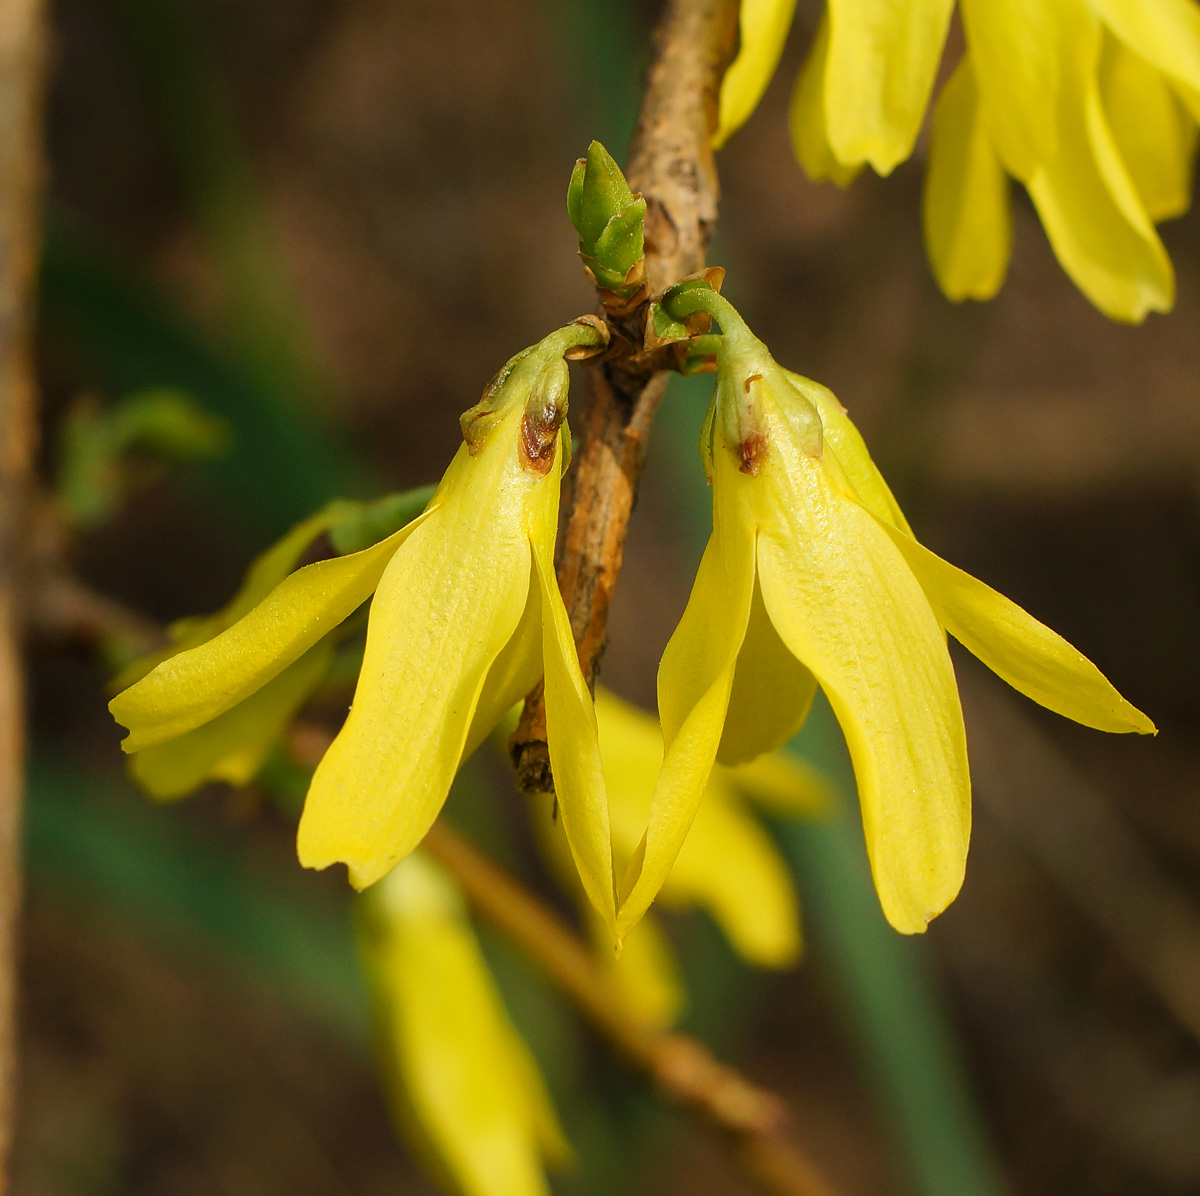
(755, 1120)
(671, 164)
(21, 71)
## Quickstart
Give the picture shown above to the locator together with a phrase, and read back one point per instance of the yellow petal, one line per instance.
(883, 58)
(763, 26)
(645, 971)
(1155, 137)
(197, 685)
(847, 444)
(846, 603)
(1015, 646)
(1013, 51)
(782, 783)
(572, 737)
(771, 696)
(456, 1065)
(806, 117)
(265, 573)
(967, 212)
(694, 681)
(450, 600)
(235, 744)
(1164, 32)
(1085, 198)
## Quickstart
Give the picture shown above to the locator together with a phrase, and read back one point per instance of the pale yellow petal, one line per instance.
(695, 677)
(883, 58)
(455, 1067)
(1086, 200)
(763, 28)
(771, 696)
(1019, 649)
(197, 685)
(235, 744)
(806, 117)
(967, 212)
(783, 783)
(572, 739)
(645, 971)
(1164, 32)
(846, 442)
(1155, 137)
(1013, 50)
(449, 601)
(846, 603)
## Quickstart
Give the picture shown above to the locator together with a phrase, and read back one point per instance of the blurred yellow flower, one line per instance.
(1092, 104)
(811, 577)
(466, 616)
(461, 1079)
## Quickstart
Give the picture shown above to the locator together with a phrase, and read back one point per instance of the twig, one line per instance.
(21, 63)
(671, 164)
(755, 1120)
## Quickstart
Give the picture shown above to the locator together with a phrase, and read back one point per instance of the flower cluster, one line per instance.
(1091, 104)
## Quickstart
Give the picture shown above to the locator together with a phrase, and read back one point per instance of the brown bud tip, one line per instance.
(752, 452)
(539, 436)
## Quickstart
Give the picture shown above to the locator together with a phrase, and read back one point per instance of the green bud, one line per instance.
(609, 219)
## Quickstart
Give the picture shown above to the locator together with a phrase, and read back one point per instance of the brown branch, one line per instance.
(755, 1120)
(21, 71)
(671, 164)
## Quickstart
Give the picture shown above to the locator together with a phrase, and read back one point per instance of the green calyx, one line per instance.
(609, 219)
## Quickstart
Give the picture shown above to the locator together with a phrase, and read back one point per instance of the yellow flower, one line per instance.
(462, 1081)
(466, 617)
(812, 576)
(1091, 104)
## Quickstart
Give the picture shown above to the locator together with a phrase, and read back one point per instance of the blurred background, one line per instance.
(327, 223)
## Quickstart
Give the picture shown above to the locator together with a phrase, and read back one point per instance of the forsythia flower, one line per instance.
(462, 1080)
(466, 616)
(1092, 104)
(812, 576)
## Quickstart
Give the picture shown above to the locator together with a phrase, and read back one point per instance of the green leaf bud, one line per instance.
(609, 219)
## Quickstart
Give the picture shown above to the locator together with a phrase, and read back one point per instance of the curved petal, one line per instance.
(1164, 32)
(695, 677)
(449, 601)
(235, 744)
(1016, 647)
(967, 215)
(763, 27)
(195, 686)
(883, 58)
(574, 745)
(1013, 47)
(771, 696)
(806, 117)
(850, 449)
(1155, 137)
(846, 603)
(1086, 200)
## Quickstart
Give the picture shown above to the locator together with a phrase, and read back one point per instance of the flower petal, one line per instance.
(1016, 647)
(1164, 32)
(883, 58)
(1155, 137)
(460, 1074)
(771, 696)
(1086, 200)
(846, 603)
(1012, 46)
(763, 27)
(695, 677)
(783, 783)
(449, 601)
(806, 117)
(848, 446)
(197, 685)
(967, 212)
(233, 746)
(573, 741)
